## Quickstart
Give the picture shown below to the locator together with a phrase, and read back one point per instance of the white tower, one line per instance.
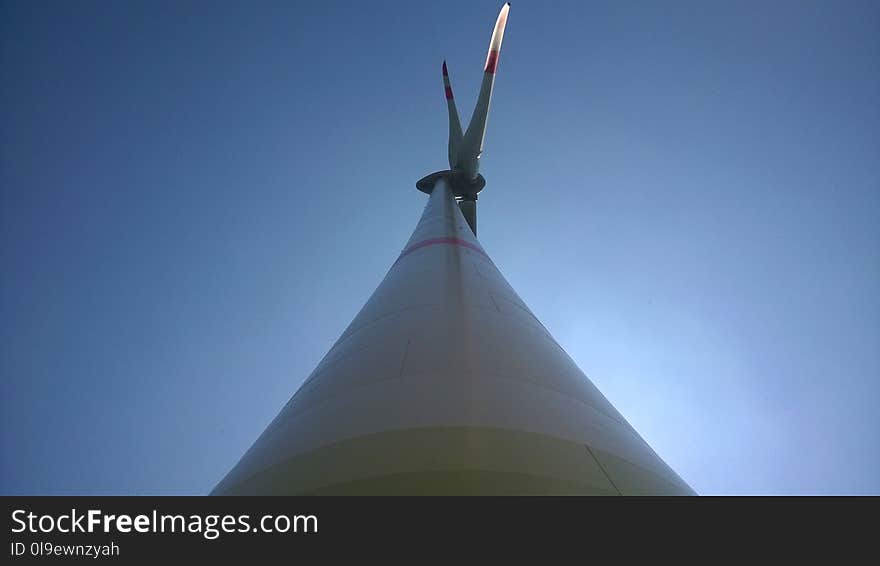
(446, 383)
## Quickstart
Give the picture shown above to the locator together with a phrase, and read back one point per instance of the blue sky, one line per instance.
(197, 197)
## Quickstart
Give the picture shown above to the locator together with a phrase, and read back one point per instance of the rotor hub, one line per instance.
(462, 187)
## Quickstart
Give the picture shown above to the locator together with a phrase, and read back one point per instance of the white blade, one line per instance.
(472, 144)
(455, 134)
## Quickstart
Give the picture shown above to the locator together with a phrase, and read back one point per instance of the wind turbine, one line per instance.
(445, 382)
(465, 150)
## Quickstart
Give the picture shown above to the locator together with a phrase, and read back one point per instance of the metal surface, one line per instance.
(446, 382)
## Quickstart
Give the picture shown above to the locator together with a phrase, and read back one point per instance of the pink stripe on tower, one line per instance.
(446, 241)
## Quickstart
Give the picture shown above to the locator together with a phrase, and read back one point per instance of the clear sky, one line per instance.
(197, 197)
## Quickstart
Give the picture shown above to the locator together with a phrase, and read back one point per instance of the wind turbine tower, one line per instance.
(445, 382)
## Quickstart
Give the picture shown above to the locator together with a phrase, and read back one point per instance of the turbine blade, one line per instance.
(455, 134)
(472, 144)
(468, 208)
